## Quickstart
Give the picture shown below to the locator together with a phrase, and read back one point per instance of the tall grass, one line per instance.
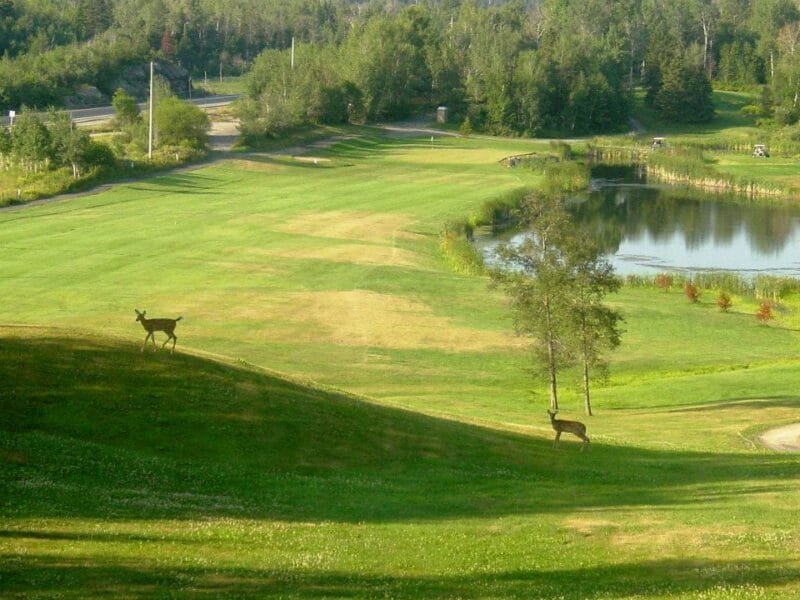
(774, 287)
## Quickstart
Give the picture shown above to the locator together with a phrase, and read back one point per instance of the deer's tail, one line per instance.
(178, 319)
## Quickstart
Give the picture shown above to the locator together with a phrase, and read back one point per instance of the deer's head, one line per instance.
(140, 315)
(552, 414)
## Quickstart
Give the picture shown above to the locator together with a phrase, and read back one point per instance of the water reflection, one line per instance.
(650, 228)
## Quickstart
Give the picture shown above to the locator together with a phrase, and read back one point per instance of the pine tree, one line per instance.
(685, 94)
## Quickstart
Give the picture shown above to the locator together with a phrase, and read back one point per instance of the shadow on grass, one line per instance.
(94, 428)
(744, 402)
(50, 574)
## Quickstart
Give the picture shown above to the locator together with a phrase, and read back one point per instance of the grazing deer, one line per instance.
(153, 325)
(573, 427)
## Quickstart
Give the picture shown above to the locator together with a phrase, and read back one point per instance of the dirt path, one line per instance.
(783, 439)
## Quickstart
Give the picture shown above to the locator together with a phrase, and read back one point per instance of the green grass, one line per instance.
(129, 474)
(728, 120)
(229, 85)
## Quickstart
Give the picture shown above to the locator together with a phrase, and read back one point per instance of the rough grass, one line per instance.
(128, 474)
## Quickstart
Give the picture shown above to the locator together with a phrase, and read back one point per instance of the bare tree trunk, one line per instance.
(551, 358)
(771, 65)
(553, 381)
(705, 45)
(587, 402)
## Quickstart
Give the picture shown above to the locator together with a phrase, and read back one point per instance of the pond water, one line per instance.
(653, 228)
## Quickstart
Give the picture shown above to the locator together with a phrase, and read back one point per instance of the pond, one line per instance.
(648, 228)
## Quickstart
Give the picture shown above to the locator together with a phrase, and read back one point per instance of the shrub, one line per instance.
(691, 291)
(459, 253)
(561, 149)
(724, 302)
(663, 281)
(764, 312)
(499, 212)
(181, 123)
(565, 176)
(466, 128)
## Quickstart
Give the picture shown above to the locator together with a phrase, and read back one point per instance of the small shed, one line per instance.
(760, 151)
(441, 114)
(658, 142)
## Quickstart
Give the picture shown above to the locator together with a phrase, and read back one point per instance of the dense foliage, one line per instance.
(511, 67)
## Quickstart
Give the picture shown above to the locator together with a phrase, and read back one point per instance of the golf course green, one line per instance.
(345, 416)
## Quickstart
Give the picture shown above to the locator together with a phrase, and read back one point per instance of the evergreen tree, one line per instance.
(685, 94)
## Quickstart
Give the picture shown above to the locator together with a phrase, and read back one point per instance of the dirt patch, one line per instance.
(675, 537)
(588, 526)
(359, 254)
(351, 318)
(351, 225)
(363, 318)
(223, 135)
(782, 439)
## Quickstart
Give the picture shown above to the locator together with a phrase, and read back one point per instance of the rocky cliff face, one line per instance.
(136, 81)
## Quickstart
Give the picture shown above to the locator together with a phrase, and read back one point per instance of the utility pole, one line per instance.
(150, 119)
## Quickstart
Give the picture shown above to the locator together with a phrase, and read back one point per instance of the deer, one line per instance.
(153, 325)
(574, 427)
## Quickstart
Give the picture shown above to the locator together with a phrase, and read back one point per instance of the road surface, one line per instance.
(85, 116)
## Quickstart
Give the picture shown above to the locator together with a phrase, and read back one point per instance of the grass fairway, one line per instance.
(197, 474)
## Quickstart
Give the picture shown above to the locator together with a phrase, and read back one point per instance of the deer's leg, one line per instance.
(145, 340)
(555, 442)
(153, 339)
(174, 339)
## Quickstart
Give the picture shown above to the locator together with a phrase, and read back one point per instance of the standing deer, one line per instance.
(153, 325)
(573, 427)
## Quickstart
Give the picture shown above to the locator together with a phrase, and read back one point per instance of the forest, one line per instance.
(530, 67)
(522, 67)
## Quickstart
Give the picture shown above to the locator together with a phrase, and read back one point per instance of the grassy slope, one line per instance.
(730, 126)
(135, 473)
(196, 477)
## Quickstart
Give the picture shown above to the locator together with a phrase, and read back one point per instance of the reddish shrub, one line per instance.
(724, 301)
(663, 281)
(691, 291)
(764, 312)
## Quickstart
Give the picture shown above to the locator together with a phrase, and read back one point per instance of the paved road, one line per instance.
(103, 113)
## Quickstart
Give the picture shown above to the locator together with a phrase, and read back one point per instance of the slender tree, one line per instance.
(127, 109)
(69, 145)
(30, 141)
(594, 327)
(535, 276)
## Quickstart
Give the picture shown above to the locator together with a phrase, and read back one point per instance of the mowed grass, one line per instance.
(729, 126)
(129, 474)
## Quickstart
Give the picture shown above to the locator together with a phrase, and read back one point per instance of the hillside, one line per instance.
(128, 474)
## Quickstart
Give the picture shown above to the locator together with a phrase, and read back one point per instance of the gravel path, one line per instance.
(784, 439)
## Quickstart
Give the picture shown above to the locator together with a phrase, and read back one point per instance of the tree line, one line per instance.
(528, 67)
(549, 67)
